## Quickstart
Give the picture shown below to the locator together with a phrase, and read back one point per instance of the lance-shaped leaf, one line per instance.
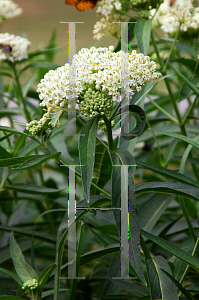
(140, 117)
(143, 34)
(181, 137)
(181, 288)
(160, 285)
(123, 184)
(102, 168)
(43, 277)
(173, 249)
(87, 152)
(40, 159)
(24, 271)
(173, 188)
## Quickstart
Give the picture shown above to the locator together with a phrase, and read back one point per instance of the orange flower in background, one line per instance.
(82, 5)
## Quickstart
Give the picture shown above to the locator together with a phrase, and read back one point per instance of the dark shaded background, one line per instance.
(40, 17)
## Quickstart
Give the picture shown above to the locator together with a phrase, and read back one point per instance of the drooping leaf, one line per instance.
(173, 188)
(87, 152)
(14, 161)
(173, 249)
(161, 287)
(181, 137)
(123, 157)
(23, 270)
(143, 34)
(35, 161)
(168, 173)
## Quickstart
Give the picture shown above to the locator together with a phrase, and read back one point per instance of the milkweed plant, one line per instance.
(99, 176)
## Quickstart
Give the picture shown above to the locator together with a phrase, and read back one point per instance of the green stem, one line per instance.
(26, 113)
(189, 110)
(186, 215)
(172, 47)
(163, 111)
(109, 132)
(187, 268)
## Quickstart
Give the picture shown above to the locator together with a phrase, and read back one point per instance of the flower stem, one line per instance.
(109, 132)
(21, 98)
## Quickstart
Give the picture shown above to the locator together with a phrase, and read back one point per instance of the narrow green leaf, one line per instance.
(168, 173)
(40, 159)
(189, 83)
(173, 249)
(102, 168)
(122, 156)
(23, 270)
(43, 277)
(5, 137)
(180, 136)
(31, 189)
(41, 65)
(38, 235)
(173, 188)
(87, 152)
(8, 297)
(7, 112)
(185, 89)
(161, 287)
(14, 161)
(179, 286)
(143, 34)
(11, 275)
(150, 212)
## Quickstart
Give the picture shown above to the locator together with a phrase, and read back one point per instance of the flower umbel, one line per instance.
(13, 48)
(94, 80)
(182, 13)
(8, 10)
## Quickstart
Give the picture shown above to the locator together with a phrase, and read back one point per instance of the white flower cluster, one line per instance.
(105, 7)
(13, 48)
(30, 284)
(98, 70)
(107, 27)
(8, 10)
(182, 13)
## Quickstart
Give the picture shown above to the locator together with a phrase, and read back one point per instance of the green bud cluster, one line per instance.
(93, 101)
(102, 125)
(143, 7)
(30, 285)
(35, 127)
